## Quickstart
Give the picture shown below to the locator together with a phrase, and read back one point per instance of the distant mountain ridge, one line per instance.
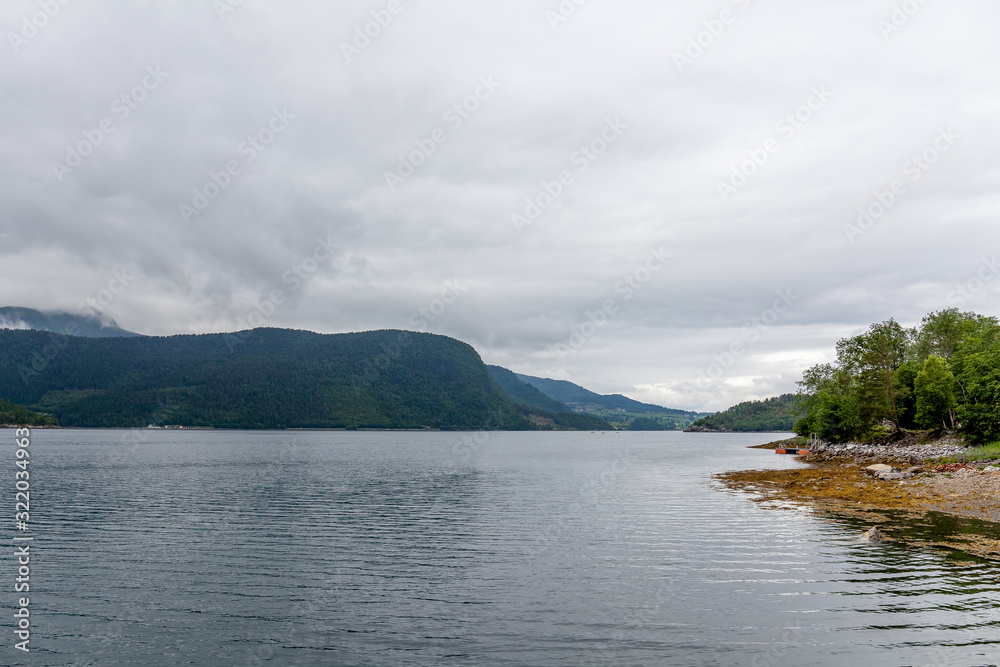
(578, 398)
(524, 393)
(70, 324)
(541, 409)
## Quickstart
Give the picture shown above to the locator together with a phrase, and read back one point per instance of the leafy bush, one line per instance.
(943, 374)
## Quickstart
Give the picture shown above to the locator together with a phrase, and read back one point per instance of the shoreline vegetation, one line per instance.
(943, 375)
(17, 416)
(922, 403)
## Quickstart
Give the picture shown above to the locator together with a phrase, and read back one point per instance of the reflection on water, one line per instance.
(932, 526)
(540, 549)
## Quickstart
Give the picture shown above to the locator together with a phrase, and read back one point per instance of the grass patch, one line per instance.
(986, 452)
(796, 442)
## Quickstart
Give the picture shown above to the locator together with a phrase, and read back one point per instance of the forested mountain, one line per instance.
(772, 414)
(88, 326)
(578, 398)
(266, 378)
(523, 393)
(943, 374)
(16, 415)
(543, 410)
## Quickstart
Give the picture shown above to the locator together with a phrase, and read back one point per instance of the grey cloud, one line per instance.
(325, 174)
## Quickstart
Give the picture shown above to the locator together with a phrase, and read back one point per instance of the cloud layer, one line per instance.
(503, 173)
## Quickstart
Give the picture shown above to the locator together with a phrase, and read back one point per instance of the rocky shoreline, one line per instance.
(903, 452)
(891, 487)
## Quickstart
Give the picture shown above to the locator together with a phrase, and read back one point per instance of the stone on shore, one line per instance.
(887, 473)
(874, 536)
(879, 468)
(905, 450)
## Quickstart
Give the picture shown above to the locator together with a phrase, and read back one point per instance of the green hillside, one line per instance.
(649, 424)
(579, 398)
(523, 393)
(543, 411)
(620, 411)
(16, 415)
(772, 414)
(267, 378)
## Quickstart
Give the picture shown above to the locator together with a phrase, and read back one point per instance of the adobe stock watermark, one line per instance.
(464, 452)
(631, 624)
(970, 289)
(223, 8)
(122, 108)
(427, 315)
(32, 25)
(92, 307)
(788, 125)
(750, 333)
(248, 150)
(563, 12)
(900, 16)
(120, 280)
(420, 319)
(455, 116)
(777, 652)
(370, 31)
(627, 287)
(295, 277)
(260, 480)
(582, 159)
(913, 169)
(592, 493)
(705, 39)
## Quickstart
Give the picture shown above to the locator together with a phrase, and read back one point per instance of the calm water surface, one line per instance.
(260, 548)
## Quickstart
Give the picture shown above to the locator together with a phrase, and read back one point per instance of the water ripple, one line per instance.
(209, 548)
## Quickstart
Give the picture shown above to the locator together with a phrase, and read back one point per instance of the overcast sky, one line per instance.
(607, 192)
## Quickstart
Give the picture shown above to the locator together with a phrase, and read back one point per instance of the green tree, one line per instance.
(829, 397)
(941, 333)
(873, 359)
(979, 390)
(906, 398)
(935, 393)
(945, 372)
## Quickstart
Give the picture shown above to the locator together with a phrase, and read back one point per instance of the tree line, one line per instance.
(11, 414)
(771, 414)
(941, 375)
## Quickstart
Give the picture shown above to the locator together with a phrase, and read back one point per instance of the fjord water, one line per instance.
(353, 548)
